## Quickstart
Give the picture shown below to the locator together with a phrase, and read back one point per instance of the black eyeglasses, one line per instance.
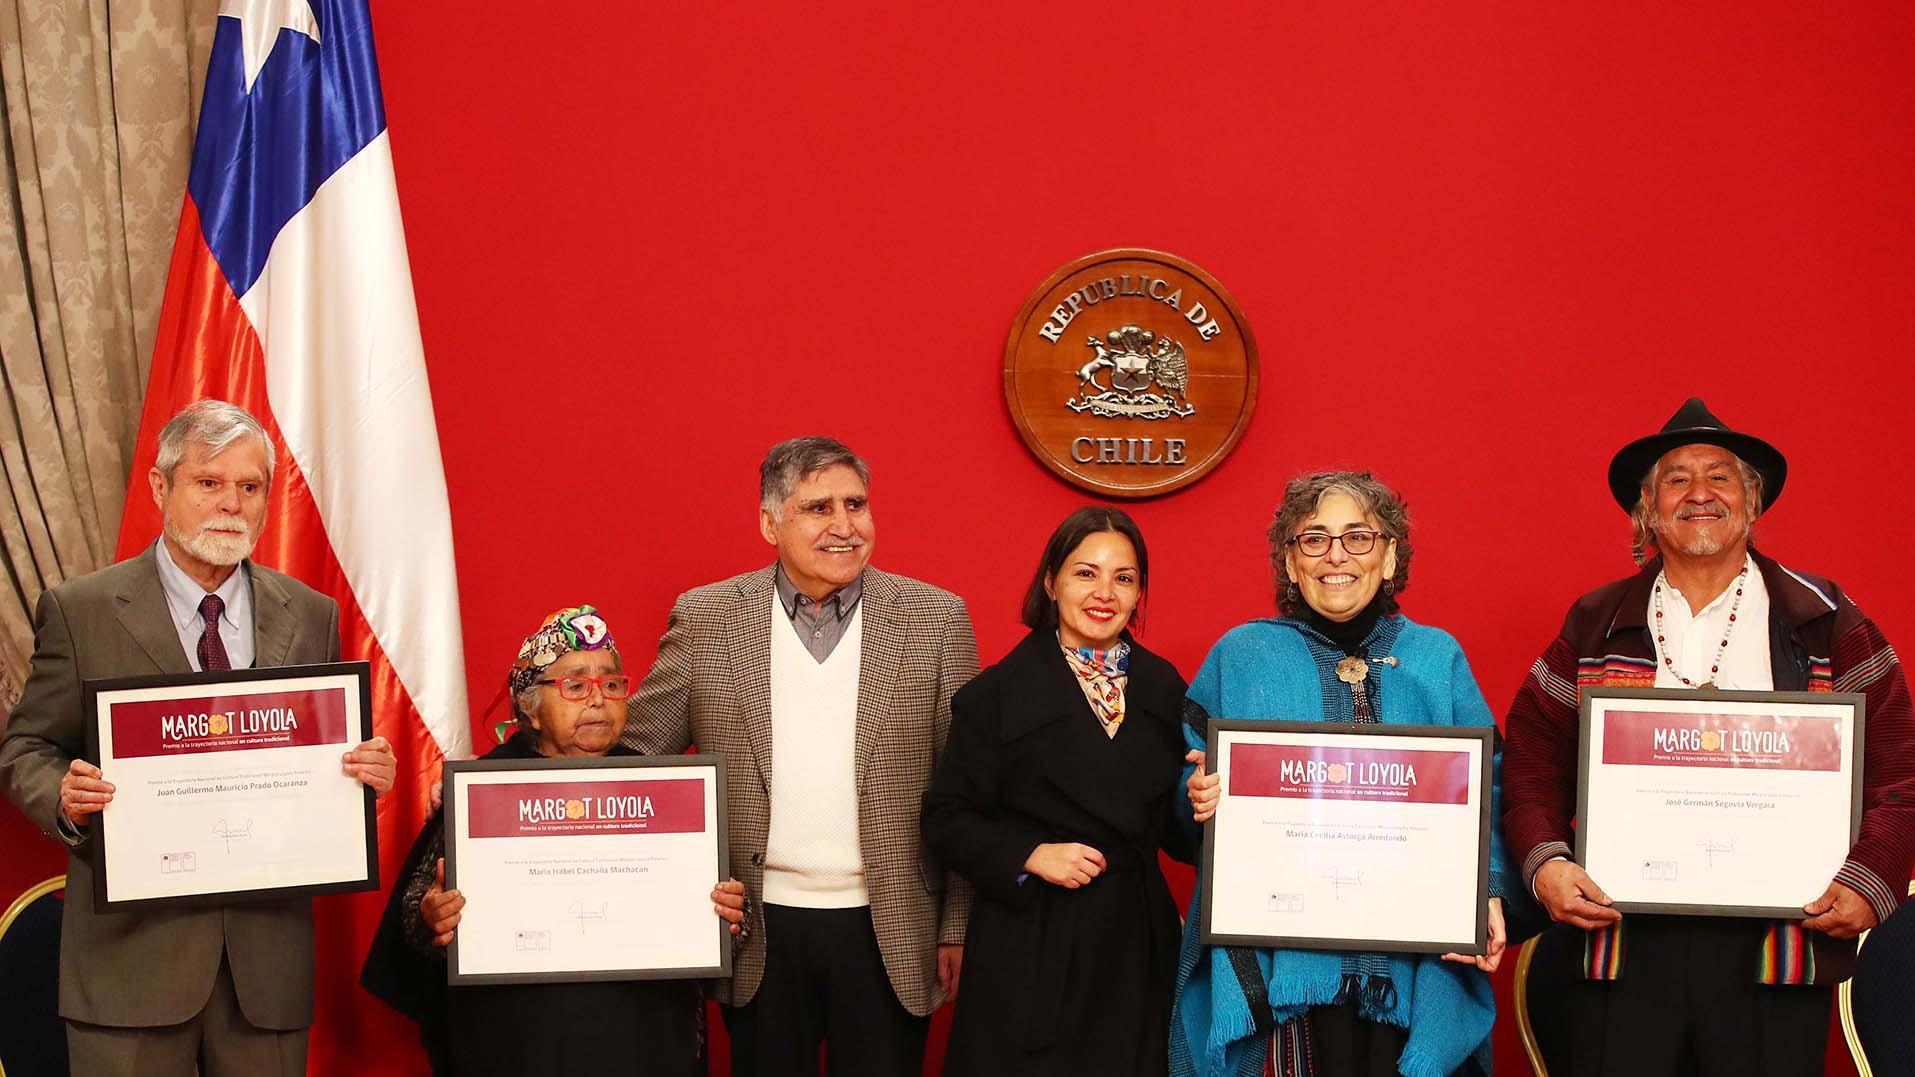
(578, 689)
(1317, 543)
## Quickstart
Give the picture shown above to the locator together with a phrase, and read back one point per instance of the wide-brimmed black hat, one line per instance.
(1694, 423)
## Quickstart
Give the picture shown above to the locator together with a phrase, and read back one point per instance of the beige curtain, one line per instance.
(100, 99)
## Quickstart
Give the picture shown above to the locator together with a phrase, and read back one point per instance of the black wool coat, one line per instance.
(1059, 981)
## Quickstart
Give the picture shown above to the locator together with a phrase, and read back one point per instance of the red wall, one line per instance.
(1479, 251)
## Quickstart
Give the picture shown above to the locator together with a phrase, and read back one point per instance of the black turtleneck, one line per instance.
(1348, 635)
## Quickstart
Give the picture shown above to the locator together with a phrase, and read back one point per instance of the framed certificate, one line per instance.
(594, 868)
(1715, 803)
(1349, 837)
(228, 786)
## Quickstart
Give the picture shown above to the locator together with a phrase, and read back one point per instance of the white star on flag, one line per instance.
(259, 24)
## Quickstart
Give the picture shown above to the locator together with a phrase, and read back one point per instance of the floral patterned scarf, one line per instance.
(1102, 675)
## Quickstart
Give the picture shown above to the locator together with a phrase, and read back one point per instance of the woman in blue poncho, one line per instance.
(1340, 547)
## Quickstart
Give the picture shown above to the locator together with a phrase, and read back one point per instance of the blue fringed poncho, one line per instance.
(1265, 669)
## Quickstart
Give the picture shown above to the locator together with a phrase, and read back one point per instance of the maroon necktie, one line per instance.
(212, 649)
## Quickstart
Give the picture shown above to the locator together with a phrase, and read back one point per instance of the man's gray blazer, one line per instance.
(711, 685)
(151, 968)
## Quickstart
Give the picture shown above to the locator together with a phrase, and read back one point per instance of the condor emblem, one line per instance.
(1130, 373)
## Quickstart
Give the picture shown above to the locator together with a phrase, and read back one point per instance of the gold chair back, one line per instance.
(20, 905)
(1846, 1005)
(1531, 1048)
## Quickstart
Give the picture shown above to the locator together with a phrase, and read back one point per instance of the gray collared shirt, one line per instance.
(820, 625)
(183, 597)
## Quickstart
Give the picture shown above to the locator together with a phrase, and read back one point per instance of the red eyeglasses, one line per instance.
(579, 689)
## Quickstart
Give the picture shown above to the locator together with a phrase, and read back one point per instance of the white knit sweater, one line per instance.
(812, 856)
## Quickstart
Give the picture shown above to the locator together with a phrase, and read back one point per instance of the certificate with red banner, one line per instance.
(593, 868)
(1717, 803)
(229, 786)
(1349, 837)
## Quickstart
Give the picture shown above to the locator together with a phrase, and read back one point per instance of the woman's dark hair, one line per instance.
(1039, 609)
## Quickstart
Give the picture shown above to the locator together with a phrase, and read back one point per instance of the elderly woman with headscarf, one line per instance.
(568, 689)
(1339, 650)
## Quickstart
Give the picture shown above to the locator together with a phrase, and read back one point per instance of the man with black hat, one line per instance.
(1686, 994)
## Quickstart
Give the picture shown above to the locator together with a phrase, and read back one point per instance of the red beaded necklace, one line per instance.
(1715, 668)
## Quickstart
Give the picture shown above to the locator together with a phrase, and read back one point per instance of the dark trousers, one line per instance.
(1688, 1004)
(1347, 1045)
(824, 983)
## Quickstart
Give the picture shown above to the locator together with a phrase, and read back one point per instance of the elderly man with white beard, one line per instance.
(209, 989)
(1689, 994)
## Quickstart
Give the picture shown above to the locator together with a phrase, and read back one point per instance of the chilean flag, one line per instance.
(289, 294)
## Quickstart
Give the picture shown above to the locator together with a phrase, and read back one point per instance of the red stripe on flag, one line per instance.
(207, 348)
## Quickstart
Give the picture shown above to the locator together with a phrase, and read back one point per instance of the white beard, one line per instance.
(1703, 546)
(216, 547)
(1707, 541)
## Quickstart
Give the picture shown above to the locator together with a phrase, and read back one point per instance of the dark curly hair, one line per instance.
(1303, 495)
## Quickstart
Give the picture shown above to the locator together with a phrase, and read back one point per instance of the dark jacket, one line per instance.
(1060, 981)
(607, 1027)
(1819, 641)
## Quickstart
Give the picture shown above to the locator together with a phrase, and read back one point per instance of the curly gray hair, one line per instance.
(1303, 496)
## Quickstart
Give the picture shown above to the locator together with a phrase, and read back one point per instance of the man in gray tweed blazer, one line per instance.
(843, 675)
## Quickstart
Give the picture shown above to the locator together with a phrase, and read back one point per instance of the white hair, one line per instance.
(214, 425)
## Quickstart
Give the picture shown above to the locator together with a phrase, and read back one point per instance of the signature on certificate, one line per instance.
(231, 832)
(1710, 846)
(1338, 878)
(585, 913)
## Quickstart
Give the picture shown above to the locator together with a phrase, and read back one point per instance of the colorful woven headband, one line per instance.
(575, 628)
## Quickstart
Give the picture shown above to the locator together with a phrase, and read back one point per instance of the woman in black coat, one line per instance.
(1053, 797)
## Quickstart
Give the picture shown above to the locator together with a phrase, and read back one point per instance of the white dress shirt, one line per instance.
(1691, 640)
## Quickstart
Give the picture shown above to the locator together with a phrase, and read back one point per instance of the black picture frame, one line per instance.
(1677, 700)
(200, 684)
(715, 762)
(1483, 735)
